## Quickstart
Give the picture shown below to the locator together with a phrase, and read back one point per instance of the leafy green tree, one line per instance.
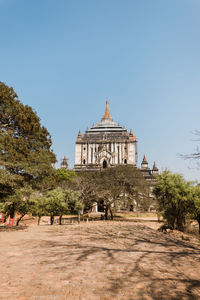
(108, 190)
(75, 204)
(20, 202)
(3, 209)
(8, 184)
(39, 207)
(194, 208)
(65, 178)
(56, 204)
(26, 157)
(73, 200)
(134, 186)
(113, 187)
(61, 202)
(86, 184)
(174, 195)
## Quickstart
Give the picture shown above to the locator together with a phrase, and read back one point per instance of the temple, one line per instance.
(105, 144)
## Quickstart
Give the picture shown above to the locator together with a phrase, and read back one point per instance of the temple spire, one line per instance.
(155, 167)
(144, 164)
(131, 136)
(144, 160)
(79, 136)
(107, 113)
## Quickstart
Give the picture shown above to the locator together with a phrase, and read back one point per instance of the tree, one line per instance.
(174, 196)
(134, 186)
(61, 202)
(39, 207)
(8, 183)
(86, 184)
(113, 186)
(56, 204)
(196, 154)
(194, 209)
(75, 204)
(65, 178)
(26, 157)
(20, 202)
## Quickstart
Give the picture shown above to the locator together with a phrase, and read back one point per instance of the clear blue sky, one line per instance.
(64, 58)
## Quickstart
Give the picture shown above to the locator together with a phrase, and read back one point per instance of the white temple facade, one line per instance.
(104, 145)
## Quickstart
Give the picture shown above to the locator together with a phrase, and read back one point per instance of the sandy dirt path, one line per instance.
(97, 260)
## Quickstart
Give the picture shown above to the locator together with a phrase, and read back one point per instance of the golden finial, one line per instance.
(107, 113)
(93, 125)
(87, 130)
(79, 135)
(131, 133)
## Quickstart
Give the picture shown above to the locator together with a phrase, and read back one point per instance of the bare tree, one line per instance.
(196, 154)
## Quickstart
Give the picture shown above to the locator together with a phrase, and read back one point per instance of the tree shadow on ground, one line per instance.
(13, 228)
(122, 219)
(149, 264)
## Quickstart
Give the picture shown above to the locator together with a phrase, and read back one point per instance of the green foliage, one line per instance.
(65, 178)
(25, 148)
(60, 202)
(195, 206)
(55, 202)
(65, 175)
(3, 207)
(121, 184)
(112, 187)
(8, 183)
(86, 184)
(175, 198)
(39, 207)
(25, 145)
(19, 202)
(74, 201)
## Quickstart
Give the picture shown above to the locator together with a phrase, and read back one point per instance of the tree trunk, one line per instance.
(60, 220)
(180, 220)
(18, 220)
(12, 212)
(198, 220)
(51, 219)
(39, 218)
(111, 214)
(79, 217)
(106, 212)
(158, 217)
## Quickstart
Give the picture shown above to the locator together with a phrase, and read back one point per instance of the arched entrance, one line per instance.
(104, 164)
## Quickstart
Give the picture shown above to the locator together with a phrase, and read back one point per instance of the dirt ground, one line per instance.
(98, 260)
